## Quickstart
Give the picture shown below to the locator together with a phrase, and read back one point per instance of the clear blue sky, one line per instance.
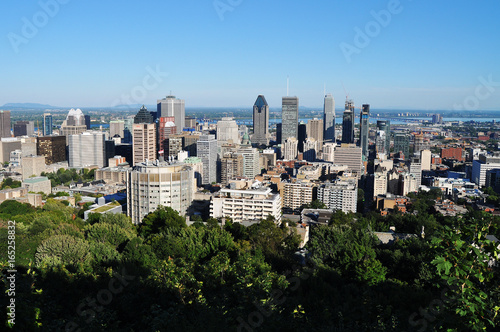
(430, 54)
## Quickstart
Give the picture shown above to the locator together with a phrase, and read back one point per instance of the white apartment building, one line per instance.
(246, 205)
(341, 195)
(289, 148)
(297, 194)
(87, 149)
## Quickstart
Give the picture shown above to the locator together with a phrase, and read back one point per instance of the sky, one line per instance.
(408, 54)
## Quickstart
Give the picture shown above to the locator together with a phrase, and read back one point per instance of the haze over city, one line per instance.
(395, 54)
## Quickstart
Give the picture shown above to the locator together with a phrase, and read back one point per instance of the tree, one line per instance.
(62, 250)
(161, 219)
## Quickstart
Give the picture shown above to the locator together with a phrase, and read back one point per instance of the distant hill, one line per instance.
(27, 105)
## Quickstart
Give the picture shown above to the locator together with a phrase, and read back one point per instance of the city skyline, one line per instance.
(379, 52)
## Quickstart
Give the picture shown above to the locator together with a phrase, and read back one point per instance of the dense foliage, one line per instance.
(109, 275)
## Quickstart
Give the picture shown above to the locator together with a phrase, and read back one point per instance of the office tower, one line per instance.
(482, 165)
(171, 146)
(289, 117)
(349, 155)
(310, 149)
(289, 148)
(170, 106)
(227, 131)
(32, 165)
(206, 150)
(380, 142)
(143, 116)
(279, 138)
(190, 123)
(5, 124)
(117, 127)
(166, 185)
(419, 143)
(341, 195)
(329, 151)
(260, 121)
(302, 136)
(250, 162)
(348, 122)
(329, 119)
(231, 167)
(47, 124)
(87, 149)
(315, 130)
(166, 129)
(364, 125)
(87, 121)
(127, 129)
(402, 144)
(24, 128)
(426, 159)
(385, 126)
(143, 142)
(52, 147)
(416, 170)
(74, 124)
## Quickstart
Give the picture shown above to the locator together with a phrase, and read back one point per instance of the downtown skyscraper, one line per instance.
(364, 124)
(385, 126)
(348, 122)
(172, 107)
(260, 121)
(289, 118)
(47, 124)
(329, 119)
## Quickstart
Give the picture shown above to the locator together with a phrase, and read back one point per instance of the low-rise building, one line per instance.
(38, 184)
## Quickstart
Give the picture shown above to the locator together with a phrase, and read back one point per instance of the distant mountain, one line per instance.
(27, 105)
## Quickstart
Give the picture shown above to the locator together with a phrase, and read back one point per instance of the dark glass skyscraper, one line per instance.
(363, 129)
(47, 124)
(402, 143)
(348, 122)
(302, 136)
(143, 116)
(328, 119)
(260, 121)
(289, 117)
(385, 125)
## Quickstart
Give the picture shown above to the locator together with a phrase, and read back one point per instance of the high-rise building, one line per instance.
(380, 142)
(416, 170)
(227, 131)
(385, 126)
(143, 142)
(402, 144)
(52, 147)
(426, 159)
(310, 149)
(151, 184)
(279, 138)
(117, 127)
(482, 165)
(32, 165)
(127, 129)
(143, 116)
(87, 149)
(87, 121)
(348, 123)
(24, 128)
(298, 194)
(206, 150)
(74, 124)
(315, 130)
(349, 155)
(47, 124)
(289, 117)
(260, 121)
(437, 119)
(231, 167)
(190, 123)
(302, 136)
(5, 124)
(341, 195)
(166, 129)
(379, 181)
(289, 148)
(250, 162)
(171, 106)
(329, 119)
(364, 124)
(419, 143)
(329, 151)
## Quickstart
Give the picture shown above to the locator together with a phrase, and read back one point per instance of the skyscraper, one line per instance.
(87, 121)
(385, 125)
(206, 150)
(260, 121)
(24, 128)
(87, 149)
(227, 131)
(171, 106)
(289, 117)
(348, 122)
(52, 147)
(315, 130)
(329, 119)
(47, 124)
(302, 136)
(364, 129)
(402, 144)
(5, 124)
(143, 142)
(143, 116)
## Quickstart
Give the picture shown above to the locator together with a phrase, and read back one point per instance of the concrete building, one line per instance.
(231, 167)
(227, 131)
(38, 184)
(385, 126)
(74, 124)
(113, 174)
(250, 205)
(350, 155)
(87, 149)
(173, 107)
(33, 165)
(416, 170)
(298, 194)
(329, 119)
(197, 166)
(341, 195)
(482, 165)
(151, 184)
(5, 124)
(379, 181)
(117, 127)
(315, 129)
(310, 149)
(426, 159)
(52, 147)
(289, 148)
(329, 151)
(8, 145)
(24, 128)
(143, 142)
(380, 142)
(250, 162)
(289, 118)
(260, 121)
(206, 150)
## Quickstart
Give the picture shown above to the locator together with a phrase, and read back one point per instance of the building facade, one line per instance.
(348, 122)
(329, 119)
(206, 150)
(260, 121)
(173, 107)
(289, 117)
(87, 149)
(143, 142)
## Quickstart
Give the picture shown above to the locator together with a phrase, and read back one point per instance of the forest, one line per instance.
(107, 274)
